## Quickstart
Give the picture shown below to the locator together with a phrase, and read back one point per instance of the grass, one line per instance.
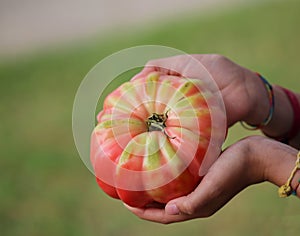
(44, 187)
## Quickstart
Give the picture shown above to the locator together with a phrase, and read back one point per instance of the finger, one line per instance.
(157, 215)
(157, 65)
(202, 202)
(166, 66)
(145, 71)
(182, 65)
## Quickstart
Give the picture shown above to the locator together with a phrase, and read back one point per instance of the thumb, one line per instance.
(187, 205)
(171, 208)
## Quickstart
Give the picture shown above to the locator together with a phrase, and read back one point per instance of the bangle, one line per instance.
(296, 120)
(269, 89)
(286, 189)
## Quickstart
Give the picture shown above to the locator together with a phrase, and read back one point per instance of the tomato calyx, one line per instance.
(157, 122)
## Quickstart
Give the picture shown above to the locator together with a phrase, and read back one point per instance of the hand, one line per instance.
(228, 176)
(244, 95)
(249, 161)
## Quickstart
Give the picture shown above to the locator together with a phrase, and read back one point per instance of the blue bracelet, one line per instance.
(269, 89)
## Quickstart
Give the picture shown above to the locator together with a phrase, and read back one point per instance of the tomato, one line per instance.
(151, 138)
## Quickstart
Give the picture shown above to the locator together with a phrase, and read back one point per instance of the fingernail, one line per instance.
(172, 209)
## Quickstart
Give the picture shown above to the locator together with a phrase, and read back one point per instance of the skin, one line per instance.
(249, 161)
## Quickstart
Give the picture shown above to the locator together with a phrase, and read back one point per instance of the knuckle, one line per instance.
(218, 57)
(151, 61)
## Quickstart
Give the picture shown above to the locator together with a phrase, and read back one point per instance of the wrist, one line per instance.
(272, 161)
(289, 118)
(270, 108)
(259, 105)
(283, 115)
(278, 166)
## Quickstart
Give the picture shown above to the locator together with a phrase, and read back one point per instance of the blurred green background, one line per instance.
(45, 189)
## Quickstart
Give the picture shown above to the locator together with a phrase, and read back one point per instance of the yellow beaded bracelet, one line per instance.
(286, 189)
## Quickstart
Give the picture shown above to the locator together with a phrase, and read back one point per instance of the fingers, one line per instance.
(159, 65)
(182, 65)
(199, 204)
(168, 66)
(146, 70)
(157, 215)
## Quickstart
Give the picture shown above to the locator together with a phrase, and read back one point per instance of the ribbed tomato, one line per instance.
(151, 138)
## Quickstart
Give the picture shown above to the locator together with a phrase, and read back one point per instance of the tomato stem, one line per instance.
(157, 122)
